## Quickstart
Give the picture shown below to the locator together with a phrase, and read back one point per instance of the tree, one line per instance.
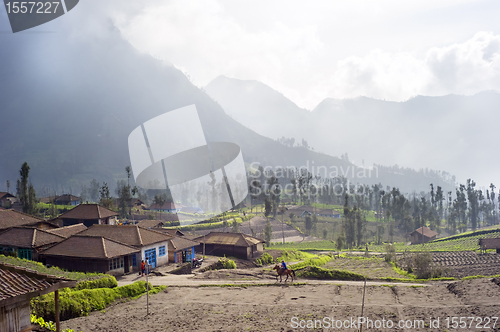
(268, 232)
(267, 208)
(309, 225)
(104, 196)
(26, 191)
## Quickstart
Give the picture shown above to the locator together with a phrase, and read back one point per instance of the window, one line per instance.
(25, 253)
(161, 251)
(134, 260)
(116, 263)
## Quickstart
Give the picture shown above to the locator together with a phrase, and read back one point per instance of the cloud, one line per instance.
(463, 68)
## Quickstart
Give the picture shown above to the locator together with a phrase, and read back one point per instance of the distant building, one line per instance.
(67, 199)
(6, 199)
(490, 243)
(166, 207)
(422, 235)
(88, 214)
(230, 244)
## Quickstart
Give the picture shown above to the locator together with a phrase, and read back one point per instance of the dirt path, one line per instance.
(280, 308)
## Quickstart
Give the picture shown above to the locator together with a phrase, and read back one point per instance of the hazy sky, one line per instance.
(312, 50)
(309, 51)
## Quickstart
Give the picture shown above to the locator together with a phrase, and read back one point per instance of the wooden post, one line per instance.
(56, 300)
(363, 305)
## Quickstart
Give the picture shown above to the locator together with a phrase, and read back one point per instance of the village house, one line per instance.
(67, 231)
(422, 235)
(166, 207)
(230, 244)
(67, 199)
(18, 287)
(152, 245)
(92, 254)
(181, 250)
(490, 243)
(12, 218)
(27, 242)
(6, 199)
(88, 214)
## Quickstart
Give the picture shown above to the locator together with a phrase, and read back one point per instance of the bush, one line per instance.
(390, 255)
(106, 281)
(423, 267)
(321, 273)
(265, 259)
(315, 261)
(77, 303)
(225, 263)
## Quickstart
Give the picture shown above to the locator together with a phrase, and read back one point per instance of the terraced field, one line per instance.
(468, 263)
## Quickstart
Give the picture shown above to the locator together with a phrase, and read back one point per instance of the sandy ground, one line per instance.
(280, 308)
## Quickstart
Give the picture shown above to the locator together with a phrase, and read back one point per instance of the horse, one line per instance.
(288, 272)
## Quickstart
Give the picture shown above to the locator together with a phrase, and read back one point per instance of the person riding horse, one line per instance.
(283, 266)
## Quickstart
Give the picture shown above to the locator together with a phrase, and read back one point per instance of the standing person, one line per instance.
(143, 267)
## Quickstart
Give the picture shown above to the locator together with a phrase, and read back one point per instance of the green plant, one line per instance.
(225, 263)
(265, 259)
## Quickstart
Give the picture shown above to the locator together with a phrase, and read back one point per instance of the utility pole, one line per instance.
(147, 287)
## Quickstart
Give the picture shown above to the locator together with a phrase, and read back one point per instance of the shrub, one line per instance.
(390, 254)
(76, 303)
(423, 267)
(225, 263)
(321, 273)
(265, 259)
(106, 281)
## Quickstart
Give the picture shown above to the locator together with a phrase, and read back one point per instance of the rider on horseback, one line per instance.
(283, 266)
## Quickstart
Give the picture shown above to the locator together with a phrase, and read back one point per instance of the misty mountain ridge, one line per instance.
(452, 133)
(68, 111)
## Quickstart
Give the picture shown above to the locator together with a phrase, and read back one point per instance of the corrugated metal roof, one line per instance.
(235, 239)
(12, 218)
(128, 234)
(67, 231)
(20, 284)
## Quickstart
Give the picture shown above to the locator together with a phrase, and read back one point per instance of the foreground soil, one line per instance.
(273, 307)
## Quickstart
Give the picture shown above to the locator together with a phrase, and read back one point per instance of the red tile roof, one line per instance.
(19, 284)
(67, 231)
(5, 194)
(27, 237)
(131, 235)
(425, 231)
(11, 218)
(88, 212)
(80, 246)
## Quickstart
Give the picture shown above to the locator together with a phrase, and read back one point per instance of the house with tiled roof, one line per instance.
(181, 250)
(67, 231)
(6, 199)
(67, 199)
(17, 287)
(166, 207)
(92, 254)
(88, 214)
(27, 242)
(422, 235)
(12, 218)
(230, 244)
(153, 245)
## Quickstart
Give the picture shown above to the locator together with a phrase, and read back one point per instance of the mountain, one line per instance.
(68, 102)
(452, 133)
(69, 108)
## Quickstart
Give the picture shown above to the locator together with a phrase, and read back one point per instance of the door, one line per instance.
(151, 257)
